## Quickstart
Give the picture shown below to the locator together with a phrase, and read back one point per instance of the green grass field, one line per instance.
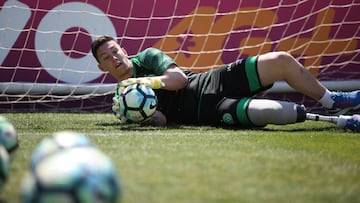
(305, 162)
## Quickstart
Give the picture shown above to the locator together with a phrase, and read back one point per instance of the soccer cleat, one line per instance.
(353, 123)
(345, 101)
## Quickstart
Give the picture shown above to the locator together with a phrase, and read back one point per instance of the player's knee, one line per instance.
(285, 64)
(281, 58)
(278, 61)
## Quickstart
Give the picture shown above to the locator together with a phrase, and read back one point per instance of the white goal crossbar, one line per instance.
(15, 88)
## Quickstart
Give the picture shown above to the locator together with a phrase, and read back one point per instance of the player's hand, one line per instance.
(152, 82)
(116, 106)
(116, 110)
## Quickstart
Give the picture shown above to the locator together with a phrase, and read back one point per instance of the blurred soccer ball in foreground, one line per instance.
(8, 135)
(72, 175)
(4, 165)
(58, 141)
(2, 118)
(138, 103)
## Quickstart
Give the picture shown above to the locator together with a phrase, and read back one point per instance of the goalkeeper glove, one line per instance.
(152, 82)
(116, 106)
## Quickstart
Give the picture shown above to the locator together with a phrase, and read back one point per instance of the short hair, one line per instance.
(97, 43)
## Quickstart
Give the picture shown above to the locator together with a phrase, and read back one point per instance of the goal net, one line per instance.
(46, 62)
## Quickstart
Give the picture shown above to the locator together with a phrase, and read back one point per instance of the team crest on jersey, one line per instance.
(227, 118)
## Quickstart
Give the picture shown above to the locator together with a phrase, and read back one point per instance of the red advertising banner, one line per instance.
(49, 41)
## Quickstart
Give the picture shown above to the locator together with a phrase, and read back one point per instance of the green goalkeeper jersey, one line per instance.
(177, 106)
(151, 62)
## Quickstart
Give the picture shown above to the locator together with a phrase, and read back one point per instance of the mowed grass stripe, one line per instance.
(306, 162)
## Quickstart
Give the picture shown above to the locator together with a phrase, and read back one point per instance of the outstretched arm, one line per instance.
(172, 79)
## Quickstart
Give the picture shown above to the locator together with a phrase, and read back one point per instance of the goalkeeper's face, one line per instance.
(114, 59)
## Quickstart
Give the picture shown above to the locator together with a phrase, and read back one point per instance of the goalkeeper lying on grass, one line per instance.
(222, 96)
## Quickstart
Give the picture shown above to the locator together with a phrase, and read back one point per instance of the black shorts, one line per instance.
(236, 82)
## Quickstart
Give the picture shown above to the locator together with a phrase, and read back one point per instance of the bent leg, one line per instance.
(281, 66)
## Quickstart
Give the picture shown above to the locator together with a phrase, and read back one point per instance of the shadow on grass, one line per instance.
(273, 128)
(128, 126)
(309, 129)
(143, 127)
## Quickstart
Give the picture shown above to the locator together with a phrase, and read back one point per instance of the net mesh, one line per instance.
(45, 59)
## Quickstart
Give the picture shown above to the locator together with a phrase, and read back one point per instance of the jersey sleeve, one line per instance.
(153, 60)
